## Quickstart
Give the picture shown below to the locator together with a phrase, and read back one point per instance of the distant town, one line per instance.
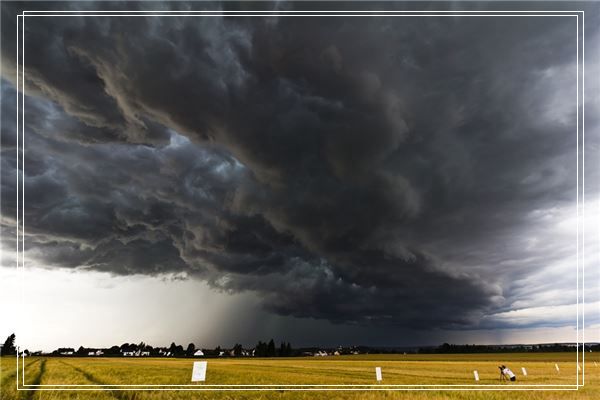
(284, 349)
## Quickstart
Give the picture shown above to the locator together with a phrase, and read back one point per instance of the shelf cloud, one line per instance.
(373, 171)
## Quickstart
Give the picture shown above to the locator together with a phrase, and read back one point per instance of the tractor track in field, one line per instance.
(11, 375)
(117, 394)
(37, 379)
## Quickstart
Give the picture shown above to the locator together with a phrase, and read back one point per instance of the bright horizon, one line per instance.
(88, 329)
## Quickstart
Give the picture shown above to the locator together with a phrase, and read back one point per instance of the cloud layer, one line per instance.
(359, 170)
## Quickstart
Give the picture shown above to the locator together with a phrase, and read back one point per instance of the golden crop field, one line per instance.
(436, 369)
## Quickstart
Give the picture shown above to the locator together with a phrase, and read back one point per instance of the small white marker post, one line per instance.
(578, 367)
(524, 371)
(595, 364)
(556, 366)
(199, 371)
(378, 374)
(476, 374)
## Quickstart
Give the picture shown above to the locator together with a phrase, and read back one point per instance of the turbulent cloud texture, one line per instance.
(374, 170)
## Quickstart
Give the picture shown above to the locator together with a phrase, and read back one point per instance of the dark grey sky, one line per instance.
(386, 173)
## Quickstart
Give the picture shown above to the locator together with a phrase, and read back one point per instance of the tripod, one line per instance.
(502, 376)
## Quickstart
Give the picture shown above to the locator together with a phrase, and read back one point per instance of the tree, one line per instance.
(127, 347)
(191, 349)
(176, 349)
(8, 348)
(172, 347)
(260, 350)
(237, 350)
(271, 349)
(285, 350)
(282, 350)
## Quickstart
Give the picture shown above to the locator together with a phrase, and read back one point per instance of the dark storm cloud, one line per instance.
(361, 170)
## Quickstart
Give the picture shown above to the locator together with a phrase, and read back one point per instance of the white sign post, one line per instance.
(556, 366)
(476, 375)
(199, 371)
(378, 374)
(524, 371)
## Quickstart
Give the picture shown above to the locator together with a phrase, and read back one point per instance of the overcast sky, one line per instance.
(323, 180)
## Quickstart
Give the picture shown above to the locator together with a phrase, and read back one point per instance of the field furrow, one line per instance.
(10, 375)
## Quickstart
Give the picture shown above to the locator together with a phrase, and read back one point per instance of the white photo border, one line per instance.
(296, 13)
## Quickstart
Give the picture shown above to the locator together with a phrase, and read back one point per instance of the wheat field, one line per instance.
(343, 370)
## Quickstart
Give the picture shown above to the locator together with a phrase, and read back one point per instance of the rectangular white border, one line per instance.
(328, 14)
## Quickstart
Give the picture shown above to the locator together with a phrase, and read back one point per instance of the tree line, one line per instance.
(262, 349)
(270, 349)
(466, 348)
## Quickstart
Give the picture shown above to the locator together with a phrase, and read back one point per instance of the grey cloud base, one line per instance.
(362, 171)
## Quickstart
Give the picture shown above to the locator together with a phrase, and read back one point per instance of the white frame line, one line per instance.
(300, 15)
(293, 14)
(143, 12)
